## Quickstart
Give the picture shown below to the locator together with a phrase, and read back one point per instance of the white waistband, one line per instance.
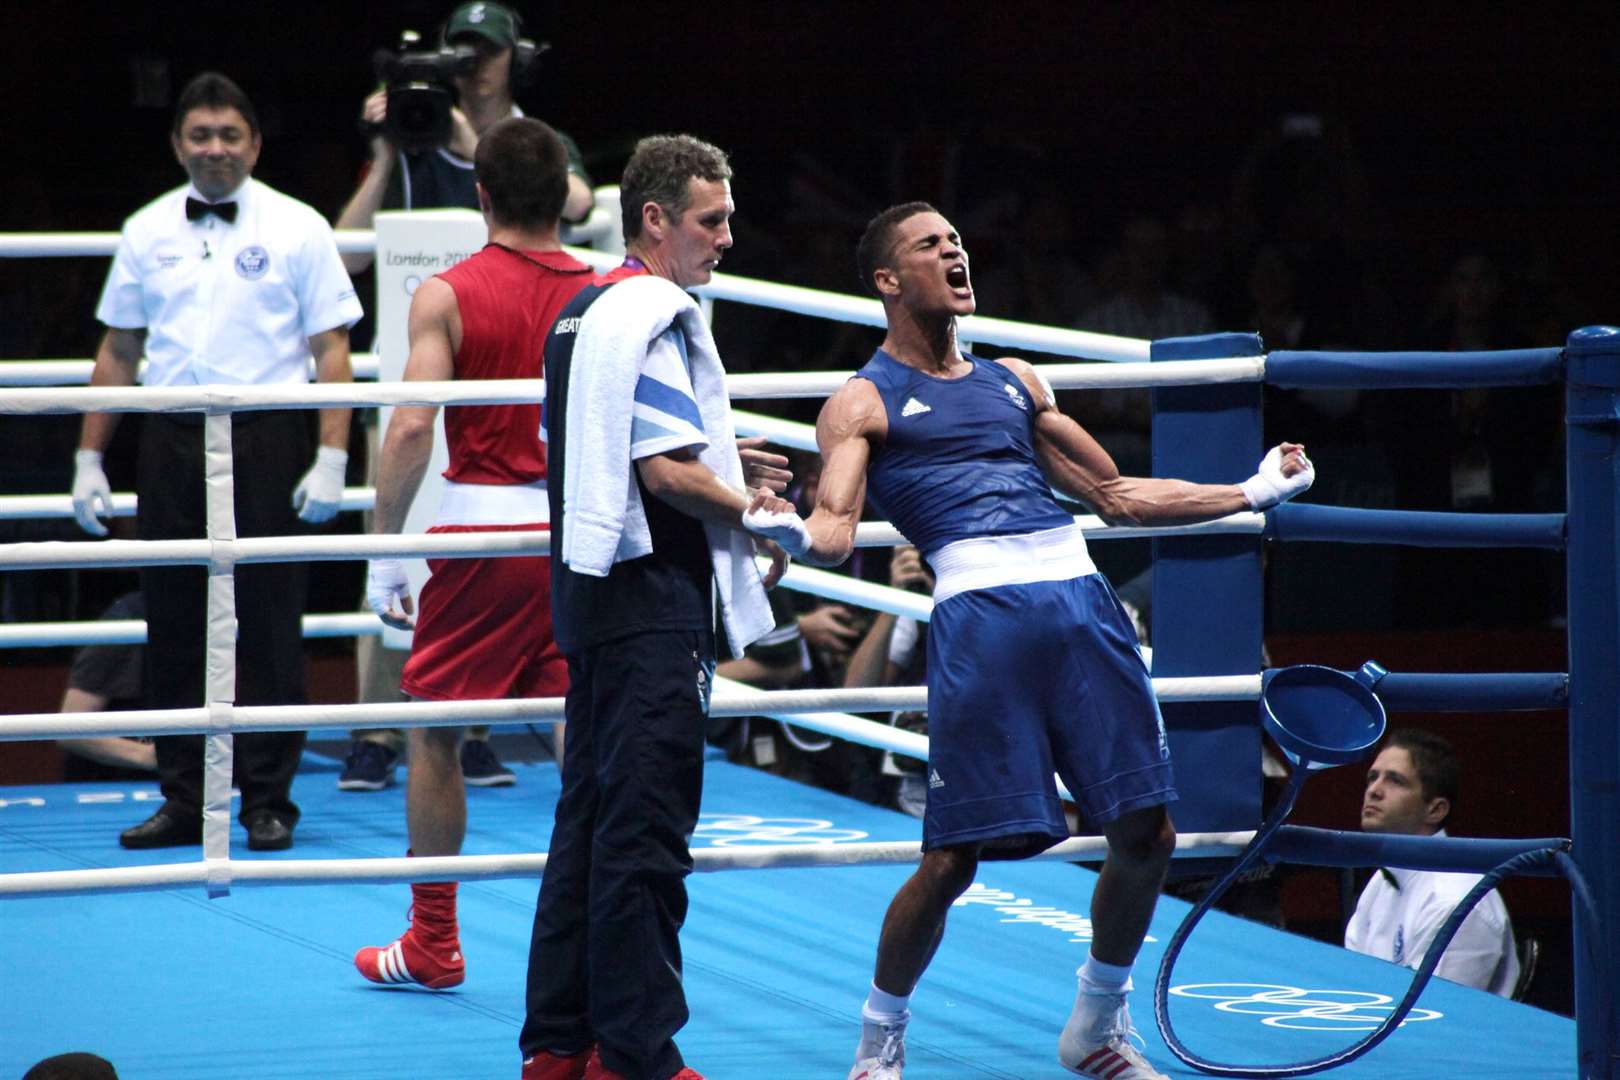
(493, 504)
(984, 562)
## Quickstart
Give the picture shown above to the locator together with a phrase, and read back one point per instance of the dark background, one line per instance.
(1447, 130)
(1490, 122)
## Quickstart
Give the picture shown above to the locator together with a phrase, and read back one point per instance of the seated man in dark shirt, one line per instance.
(108, 677)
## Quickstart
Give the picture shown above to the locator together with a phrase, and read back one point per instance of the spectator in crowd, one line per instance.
(223, 280)
(829, 630)
(425, 179)
(1484, 449)
(102, 678)
(1144, 306)
(1276, 313)
(1038, 278)
(646, 515)
(777, 661)
(1412, 790)
(1303, 185)
(485, 625)
(894, 652)
(1141, 306)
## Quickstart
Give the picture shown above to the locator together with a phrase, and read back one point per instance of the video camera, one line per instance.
(420, 95)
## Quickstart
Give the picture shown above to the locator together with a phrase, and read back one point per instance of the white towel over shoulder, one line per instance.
(603, 519)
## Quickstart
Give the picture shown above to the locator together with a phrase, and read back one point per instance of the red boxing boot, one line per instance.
(429, 953)
(595, 1070)
(548, 1066)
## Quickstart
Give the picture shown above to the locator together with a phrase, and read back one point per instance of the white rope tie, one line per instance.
(393, 870)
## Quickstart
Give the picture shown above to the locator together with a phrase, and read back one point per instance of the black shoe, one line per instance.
(266, 832)
(163, 829)
(369, 767)
(481, 768)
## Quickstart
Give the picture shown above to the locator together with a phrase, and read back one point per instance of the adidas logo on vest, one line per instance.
(914, 407)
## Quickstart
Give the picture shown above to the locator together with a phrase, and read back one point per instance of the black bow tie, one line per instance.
(196, 210)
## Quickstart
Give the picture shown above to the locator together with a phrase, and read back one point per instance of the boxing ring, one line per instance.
(118, 949)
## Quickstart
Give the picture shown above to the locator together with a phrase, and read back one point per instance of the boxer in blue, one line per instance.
(1032, 663)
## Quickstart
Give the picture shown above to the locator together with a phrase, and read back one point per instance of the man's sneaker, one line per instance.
(435, 966)
(595, 1070)
(548, 1066)
(369, 767)
(889, 1040)
(1096, 1042)
(481, 768)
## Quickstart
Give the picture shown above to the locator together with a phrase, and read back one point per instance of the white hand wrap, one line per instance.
(386, 588)
(1268, 487)
(90, 487)
(783, 526)
(320, 493)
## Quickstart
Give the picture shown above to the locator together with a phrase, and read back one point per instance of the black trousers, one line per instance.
(271, 451)
(605, 958)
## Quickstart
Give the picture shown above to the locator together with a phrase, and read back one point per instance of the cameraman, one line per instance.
(399, 179)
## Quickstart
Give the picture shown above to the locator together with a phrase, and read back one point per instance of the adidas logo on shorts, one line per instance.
(933, 779)
(914, 407)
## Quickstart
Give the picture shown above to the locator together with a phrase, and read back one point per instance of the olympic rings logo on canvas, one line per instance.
(731, 830)
(1298, 1009)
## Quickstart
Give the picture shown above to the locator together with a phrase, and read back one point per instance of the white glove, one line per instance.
(783, 526)
(318, 494)
(1268, 487)
(89, 488)
(388, 591)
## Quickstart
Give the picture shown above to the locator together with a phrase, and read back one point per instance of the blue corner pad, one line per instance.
(1206, 347)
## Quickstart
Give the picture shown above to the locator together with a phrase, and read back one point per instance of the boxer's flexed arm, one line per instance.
(1077, 465)
(851, 423)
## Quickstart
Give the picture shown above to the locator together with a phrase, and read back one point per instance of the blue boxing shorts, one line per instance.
(1029, 679)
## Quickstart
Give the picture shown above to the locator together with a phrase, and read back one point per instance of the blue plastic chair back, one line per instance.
(1322, 717)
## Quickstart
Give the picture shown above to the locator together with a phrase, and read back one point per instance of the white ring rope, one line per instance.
(838, 306)
(803, 705)
(133, 631)
(30, 396)
(217, 871)
(395, 870)
(76, 372)
(1121, 376)
(43, 507)
(814, 710)
(31, 245)
(59, 554)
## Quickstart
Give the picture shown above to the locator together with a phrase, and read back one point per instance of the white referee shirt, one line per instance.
(228, 302)
(1396, 921)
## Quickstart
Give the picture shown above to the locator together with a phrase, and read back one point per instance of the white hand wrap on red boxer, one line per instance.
(783, 526)
(1268, 486)
(387, 588)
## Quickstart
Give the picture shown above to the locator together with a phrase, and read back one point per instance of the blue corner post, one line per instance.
(1592, 358)
(1207, 602)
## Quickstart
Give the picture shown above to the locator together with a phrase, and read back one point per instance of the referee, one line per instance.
(224, 280)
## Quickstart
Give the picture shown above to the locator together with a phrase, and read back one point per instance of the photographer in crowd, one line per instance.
(484, 57)
(422, 159)
(894, 652)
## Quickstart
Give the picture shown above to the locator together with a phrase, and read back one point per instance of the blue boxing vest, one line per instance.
(959, 460)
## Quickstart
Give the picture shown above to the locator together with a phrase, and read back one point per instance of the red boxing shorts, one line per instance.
(483, 628)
